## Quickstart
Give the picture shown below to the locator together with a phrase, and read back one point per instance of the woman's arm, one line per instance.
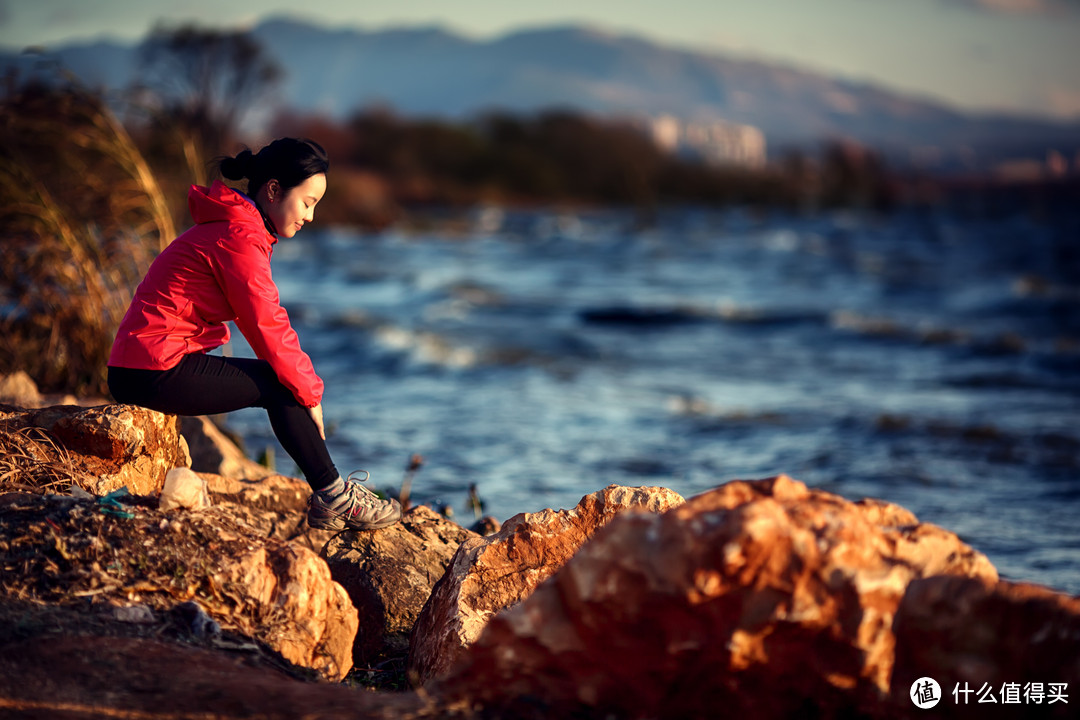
(242, 268)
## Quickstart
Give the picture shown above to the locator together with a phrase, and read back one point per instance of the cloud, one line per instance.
(1018, 7)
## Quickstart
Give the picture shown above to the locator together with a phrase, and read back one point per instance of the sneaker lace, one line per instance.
(359, 480)
(358, 494)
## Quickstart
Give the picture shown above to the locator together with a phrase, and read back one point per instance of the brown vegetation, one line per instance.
(30, 460)
(83, 217)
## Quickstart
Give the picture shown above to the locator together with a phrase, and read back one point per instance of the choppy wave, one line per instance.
(629, 316)
(560, 354)
(708, 416)
(426, 347)
(1050, 448)
(641, 317)
(1036, 286)
(1013, 341)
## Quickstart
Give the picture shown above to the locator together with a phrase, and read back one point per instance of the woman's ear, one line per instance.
(273, 189)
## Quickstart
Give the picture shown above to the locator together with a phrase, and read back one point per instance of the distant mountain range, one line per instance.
(432, 72)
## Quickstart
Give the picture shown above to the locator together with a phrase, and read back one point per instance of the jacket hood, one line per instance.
(219, 203)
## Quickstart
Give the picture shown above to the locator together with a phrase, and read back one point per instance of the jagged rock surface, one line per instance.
(489, 574)
(109, 446)
(759, 599)
(275, 504)
(314, 623)
(389, 574)
(968, 634)
(763, 598)
(64, 551)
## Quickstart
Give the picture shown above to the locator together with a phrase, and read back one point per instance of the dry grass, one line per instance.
(65, 552)
(66, 566)
(32, 461)
(60, 550)
(83, 218)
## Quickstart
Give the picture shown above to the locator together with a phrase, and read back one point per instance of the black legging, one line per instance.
(210, 384)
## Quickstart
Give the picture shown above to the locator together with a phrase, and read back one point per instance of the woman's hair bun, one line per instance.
(290, 161)
(239, 167)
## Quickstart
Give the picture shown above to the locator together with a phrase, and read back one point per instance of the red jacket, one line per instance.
(217, 271)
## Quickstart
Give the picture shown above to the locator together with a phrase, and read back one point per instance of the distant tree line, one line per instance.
(559, 156)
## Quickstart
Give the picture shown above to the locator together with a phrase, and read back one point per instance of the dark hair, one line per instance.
(290, 161)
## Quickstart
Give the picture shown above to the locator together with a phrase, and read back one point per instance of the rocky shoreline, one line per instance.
(761, 598)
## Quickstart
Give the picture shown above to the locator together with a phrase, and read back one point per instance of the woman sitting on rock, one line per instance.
(219, 271)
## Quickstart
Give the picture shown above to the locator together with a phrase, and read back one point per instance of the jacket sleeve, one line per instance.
(242, 268)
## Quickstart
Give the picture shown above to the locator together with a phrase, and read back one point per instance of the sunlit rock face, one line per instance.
(389, 574)
(764, 598)
(980, 640)
(109, 446)
(304, 614)
(489, 574)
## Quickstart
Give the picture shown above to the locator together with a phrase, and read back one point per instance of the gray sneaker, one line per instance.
(358, 508)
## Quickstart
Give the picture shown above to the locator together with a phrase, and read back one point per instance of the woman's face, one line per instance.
(296, 206)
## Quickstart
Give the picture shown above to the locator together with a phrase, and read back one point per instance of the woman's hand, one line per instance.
(316, 415)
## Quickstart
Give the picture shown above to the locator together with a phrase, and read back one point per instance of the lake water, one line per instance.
(922, 358)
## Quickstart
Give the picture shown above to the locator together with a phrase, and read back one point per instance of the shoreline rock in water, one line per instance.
(761, 598)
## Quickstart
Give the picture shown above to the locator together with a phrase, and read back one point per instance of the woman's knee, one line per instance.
(273, 392)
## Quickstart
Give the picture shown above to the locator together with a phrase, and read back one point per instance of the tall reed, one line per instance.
(82, 219)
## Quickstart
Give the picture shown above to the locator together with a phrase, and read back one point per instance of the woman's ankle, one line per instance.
(332, 491)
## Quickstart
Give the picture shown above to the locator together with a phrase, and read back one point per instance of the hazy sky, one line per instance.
(1014, 55)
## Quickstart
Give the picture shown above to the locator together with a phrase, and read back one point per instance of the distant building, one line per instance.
(1054, 166)
(665, 132)
(716, 141)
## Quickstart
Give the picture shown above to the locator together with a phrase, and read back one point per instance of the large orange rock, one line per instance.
(489, 574)
(759, 599)
(1002, 641)
(389, 575)
(308, 617)
(110, 446)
